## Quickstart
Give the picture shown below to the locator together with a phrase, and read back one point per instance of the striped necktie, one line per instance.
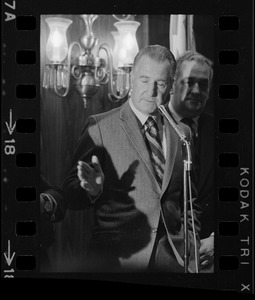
(155, 148)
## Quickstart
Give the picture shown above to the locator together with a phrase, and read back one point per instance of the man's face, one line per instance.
(150, 84)
(191, 89)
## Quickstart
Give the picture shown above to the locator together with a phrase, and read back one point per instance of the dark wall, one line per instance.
(203, 27)
(204, 35)
(159, 30)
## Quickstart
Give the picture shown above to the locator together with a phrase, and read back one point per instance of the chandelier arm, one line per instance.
(108, 51)
(113, 97)
(68, 69)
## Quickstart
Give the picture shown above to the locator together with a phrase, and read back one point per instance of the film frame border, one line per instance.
(235, 171)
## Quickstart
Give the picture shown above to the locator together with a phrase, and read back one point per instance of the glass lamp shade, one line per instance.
(115, 58)
(57, 47)
(128, 47)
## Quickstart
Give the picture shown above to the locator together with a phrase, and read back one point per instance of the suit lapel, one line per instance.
(131, 126)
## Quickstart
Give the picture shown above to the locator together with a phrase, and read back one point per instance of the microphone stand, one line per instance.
(187, 161)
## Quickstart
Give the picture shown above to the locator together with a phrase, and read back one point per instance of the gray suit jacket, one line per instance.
(127, 212)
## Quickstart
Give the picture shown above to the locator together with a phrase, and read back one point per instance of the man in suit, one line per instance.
(130, 167)
(189, 97)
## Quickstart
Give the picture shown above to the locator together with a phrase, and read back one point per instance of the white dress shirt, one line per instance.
(143, 118)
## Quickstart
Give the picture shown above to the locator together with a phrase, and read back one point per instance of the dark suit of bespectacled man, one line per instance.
(138, 217)
(189, 97)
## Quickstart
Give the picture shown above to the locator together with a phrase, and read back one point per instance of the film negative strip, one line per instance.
(42, 237)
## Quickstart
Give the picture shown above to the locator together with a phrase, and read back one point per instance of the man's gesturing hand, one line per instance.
(92, 178)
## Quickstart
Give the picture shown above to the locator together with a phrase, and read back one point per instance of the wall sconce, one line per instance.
(89, 72)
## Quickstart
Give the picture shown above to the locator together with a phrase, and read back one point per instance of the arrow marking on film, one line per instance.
(9, 125)
(8, 257)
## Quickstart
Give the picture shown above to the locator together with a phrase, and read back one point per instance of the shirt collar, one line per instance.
(142, 117)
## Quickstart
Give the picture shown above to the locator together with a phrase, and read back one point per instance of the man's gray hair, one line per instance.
(194, 56)
(158, 53)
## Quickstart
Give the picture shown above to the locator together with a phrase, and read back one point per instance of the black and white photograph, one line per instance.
(127, 145)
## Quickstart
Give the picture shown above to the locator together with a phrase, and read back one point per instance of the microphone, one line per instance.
(177, 129)
(185, 142)
(187, 160)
